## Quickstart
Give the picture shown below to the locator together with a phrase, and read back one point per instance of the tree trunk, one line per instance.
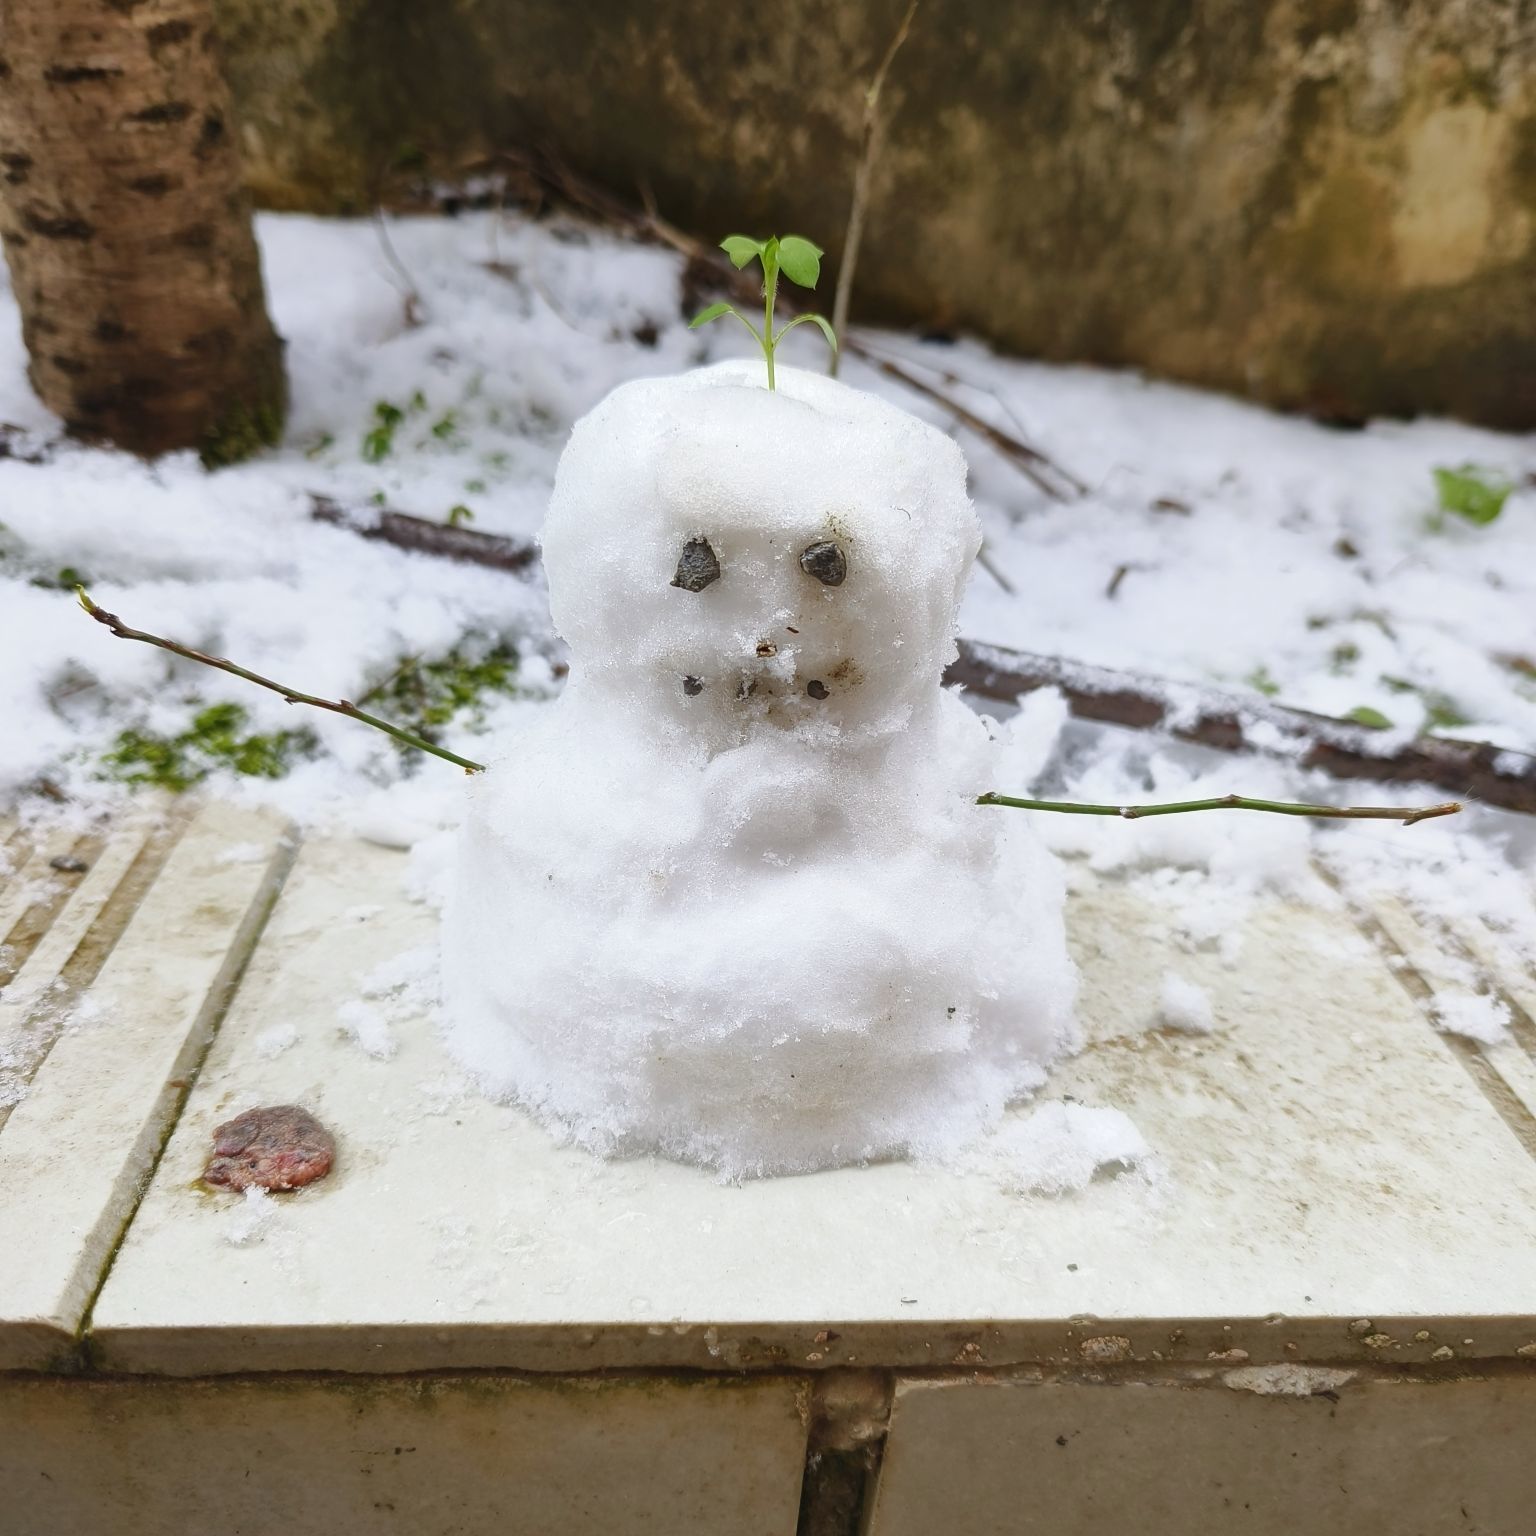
(127, 229)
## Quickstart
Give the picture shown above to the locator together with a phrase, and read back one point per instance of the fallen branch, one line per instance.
(869, 151)
(1406, 814)
(292, 695)
(403, 531)
(1034, 464)
(1211, 718)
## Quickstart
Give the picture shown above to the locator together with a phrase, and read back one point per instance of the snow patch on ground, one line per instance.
(1286, 1380)
(1056, 1148)
(1184, 1006)
(1473, 1015)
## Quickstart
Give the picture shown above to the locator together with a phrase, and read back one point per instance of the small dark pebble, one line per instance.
(697, 566)
(68, 864)
(767, 648)
(279, 1146)
(692, 687)
(816, 688)
(826, 562)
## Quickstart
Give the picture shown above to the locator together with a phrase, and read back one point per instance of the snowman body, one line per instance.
(731, 899)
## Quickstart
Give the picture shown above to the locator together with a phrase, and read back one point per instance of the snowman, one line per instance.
(731, 900)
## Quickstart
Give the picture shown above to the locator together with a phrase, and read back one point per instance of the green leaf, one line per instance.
(1363, 714)
(1475, 494)
(1261, 681)
(826, 329)
(799, 260)
(714, 312)
(459, 515)
(1442, 714)
(742, 249)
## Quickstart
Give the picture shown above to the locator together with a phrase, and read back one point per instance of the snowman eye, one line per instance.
(826, 562)
(697, 566)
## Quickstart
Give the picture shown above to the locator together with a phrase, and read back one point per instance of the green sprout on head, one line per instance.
(798, 260)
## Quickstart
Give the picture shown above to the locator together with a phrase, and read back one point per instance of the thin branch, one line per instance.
(1031, 461)
(985, 561)
(410, 295)
(292, 695)
(869, 152)
(1407, 814)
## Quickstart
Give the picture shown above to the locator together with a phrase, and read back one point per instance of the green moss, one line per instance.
(423, 696)
(242, 433)
(1261, 682)
(1442, 714)
(216, 738)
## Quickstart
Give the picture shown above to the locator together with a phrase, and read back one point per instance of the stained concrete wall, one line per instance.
(1325, 204)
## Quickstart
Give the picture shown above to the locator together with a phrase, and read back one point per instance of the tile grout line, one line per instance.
(1500, 1096)
(216, 1005)
(1522, 1026)
(96, 944)
(34, 921)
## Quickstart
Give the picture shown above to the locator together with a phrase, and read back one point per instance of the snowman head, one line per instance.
(735, 559)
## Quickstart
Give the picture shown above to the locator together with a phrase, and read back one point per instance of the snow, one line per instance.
(368, 1027)
(731, 899)
(1057, 1148)
(1269, 555)
(1185, 1006)
(1286, 1380)
(1473, 1015)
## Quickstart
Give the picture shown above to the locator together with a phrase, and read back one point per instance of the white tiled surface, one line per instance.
(1336, 1186)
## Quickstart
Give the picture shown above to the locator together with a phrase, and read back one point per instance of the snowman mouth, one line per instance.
(767, 688)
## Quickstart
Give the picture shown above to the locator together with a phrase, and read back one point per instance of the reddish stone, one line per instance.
(276, 1147)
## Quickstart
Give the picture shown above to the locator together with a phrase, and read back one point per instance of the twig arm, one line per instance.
(292, 695)
(1407, 814)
